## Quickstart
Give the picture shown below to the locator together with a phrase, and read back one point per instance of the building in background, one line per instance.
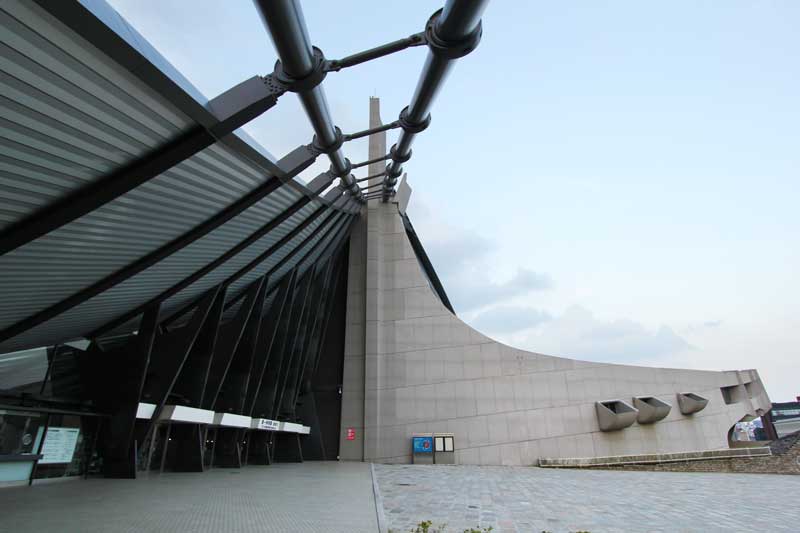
(783, 419)
(175, 298)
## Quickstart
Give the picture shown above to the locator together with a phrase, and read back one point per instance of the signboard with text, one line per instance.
(59, 445)
(351, 434)
(268, 425)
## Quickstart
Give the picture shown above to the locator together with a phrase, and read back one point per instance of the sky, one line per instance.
(609, 181)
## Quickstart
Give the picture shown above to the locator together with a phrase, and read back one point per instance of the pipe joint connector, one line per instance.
(331, 148)
(307, 82)
(393, 172)
(450, 49)
(354, 189)
(397, 158)
(348, 167)
(413, 127)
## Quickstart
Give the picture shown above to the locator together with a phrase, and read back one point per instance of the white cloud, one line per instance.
(463, 259)
(577, 333)
(509, 319)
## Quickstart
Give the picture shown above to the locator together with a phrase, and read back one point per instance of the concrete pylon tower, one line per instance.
(377, 144)
(411, 366)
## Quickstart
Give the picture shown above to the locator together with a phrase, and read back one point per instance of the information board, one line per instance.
(423, 444)
(59, 445)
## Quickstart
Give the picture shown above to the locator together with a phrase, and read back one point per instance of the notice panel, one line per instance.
(59, 445)
(423, 444)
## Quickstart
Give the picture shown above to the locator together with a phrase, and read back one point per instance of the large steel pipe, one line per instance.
(299, 60)
(452, 32)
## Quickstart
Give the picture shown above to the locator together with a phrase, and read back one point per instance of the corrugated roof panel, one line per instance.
(129, 227)
(286, 268)
(69, 114)
(314, 258)
(152, 281)
(240, 260)
(229, 313)
(270, 299)
(313, 229)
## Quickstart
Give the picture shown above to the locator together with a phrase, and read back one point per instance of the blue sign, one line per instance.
(423, 444)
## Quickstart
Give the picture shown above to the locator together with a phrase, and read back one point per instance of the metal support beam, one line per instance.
(302, 68)
(193, 375)
(170, 351)
(185, 282)
(320, 307)
(295, 352)
(232, 109)
(264, 255)
(378, 175)
(267, 336)
(370, 161)
(365, 189)
(342, 271)
(319, 400)
(282, 358)
(374, 53)
(263, 401)
(230, 335)
(365, 133)
(267, 399)
(296, 329)
(451, 32)
(233, 389)
(202, 229)
(333, 235)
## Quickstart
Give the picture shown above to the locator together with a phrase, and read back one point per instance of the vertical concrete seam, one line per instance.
(381, 515)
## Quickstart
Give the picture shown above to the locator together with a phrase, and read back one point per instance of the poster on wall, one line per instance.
(59, 445)
(422, 444)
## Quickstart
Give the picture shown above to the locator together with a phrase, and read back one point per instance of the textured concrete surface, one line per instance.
(308, 497)
(523, 499)
(785, 459)
(424, 370)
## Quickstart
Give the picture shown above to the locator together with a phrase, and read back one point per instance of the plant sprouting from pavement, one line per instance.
(426, 526)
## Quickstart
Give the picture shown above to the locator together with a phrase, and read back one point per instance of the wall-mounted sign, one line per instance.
(351, 434)
(423, 444)
(267, 424)
(59, 445)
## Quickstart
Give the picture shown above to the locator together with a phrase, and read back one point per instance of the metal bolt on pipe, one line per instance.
(302, 68)
(452, 32)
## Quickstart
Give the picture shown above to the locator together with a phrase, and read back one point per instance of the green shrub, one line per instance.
(426, 526)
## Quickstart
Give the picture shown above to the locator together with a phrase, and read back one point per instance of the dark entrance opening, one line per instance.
(320, 401)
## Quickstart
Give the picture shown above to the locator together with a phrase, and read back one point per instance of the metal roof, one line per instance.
(82, 98)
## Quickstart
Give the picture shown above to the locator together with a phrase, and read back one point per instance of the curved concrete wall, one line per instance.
(411, 366)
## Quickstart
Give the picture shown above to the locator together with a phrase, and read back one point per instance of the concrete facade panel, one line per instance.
(429, 371)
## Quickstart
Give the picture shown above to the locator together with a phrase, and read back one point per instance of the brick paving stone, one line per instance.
(526, 499)
(309, 497)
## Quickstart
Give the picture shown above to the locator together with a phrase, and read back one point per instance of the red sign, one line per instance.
(351, 434)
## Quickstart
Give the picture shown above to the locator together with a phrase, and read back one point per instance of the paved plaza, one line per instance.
(339, 498)
(525, 499)
(309, 497)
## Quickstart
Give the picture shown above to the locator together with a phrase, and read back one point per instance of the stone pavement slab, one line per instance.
(527, 499)
(309, 497)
